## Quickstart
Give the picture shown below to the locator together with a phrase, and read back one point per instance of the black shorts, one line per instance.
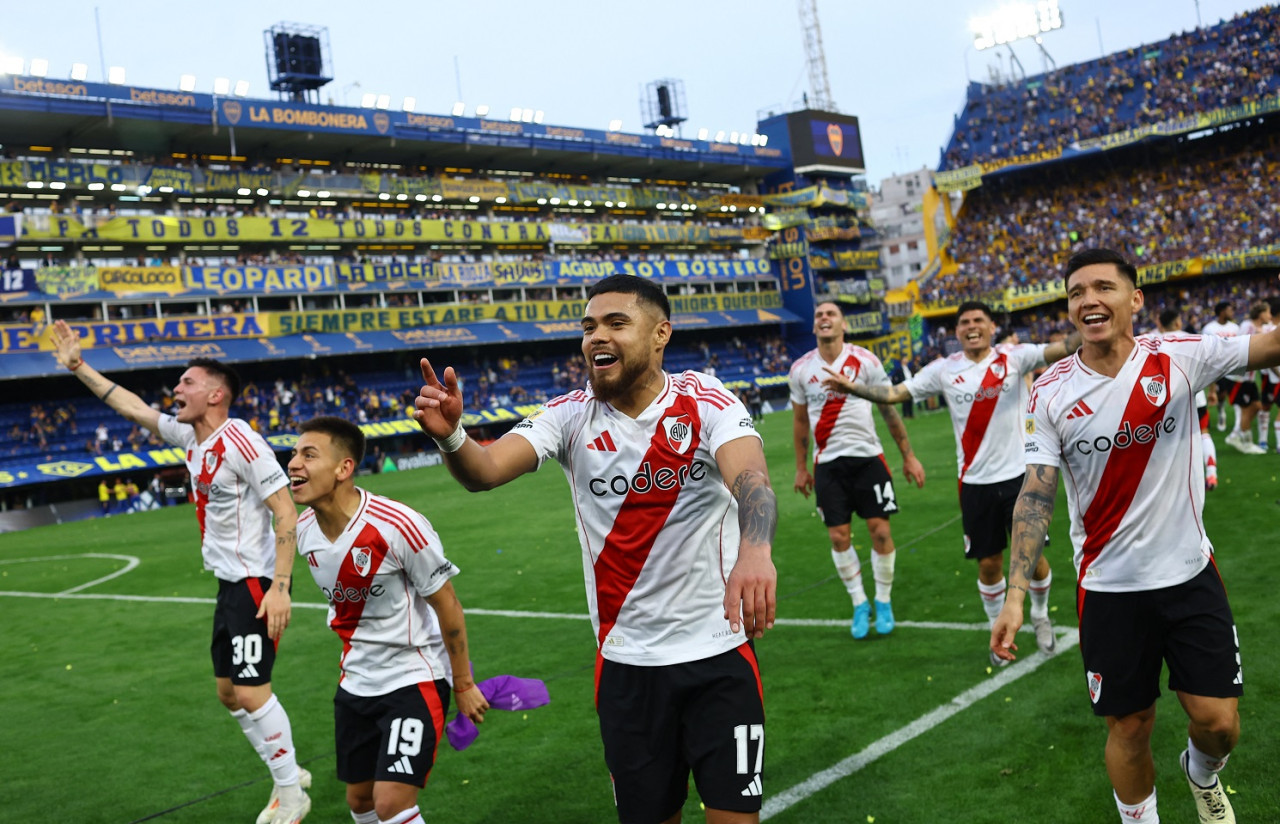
(1270, 391)
(848, 485)
(1237, 393)
(1125, 636)
(660, 723)
(391, 737)
(241, 648)
(986, 511)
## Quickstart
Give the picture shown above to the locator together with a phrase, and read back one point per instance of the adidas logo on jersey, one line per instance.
(959, 379)
(813, 379)
(1080, 410)
(754, 788)
(603, 443)
(249, 671)
(402, 766)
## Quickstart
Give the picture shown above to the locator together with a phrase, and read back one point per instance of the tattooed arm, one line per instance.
(453, 629)
(912, 469)
(750, 599)
(1031, 516)
(66, 342)
(876, 394)
(276, 604)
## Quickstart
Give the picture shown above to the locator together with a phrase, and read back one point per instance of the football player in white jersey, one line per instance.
(1238, 389)
(1170, 323)
(1148, 590)
(849, 472)
(676, 519)
(380, 566)
(238, 488)
(1259, 320)
(1270, 391)
(985, 391)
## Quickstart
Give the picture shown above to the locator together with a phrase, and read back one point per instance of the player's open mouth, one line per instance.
(973, 338)
(1094, 319)
(296, 481)
(603, 360)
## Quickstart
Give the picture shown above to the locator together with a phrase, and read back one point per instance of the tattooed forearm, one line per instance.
(881, 394)
(287, 538)
(1031, 517)
(897, 429)
(757, 507)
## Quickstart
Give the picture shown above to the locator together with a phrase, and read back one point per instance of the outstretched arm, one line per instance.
(751, 593)
(438, 411)
(453, 628)
(876, 394)
(912, 469)
(1058, 350)
(1264, 349)
(66, 351)
(1031, 517)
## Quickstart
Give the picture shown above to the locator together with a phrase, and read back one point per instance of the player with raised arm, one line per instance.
(849, 470)
(985, 391)
(1170, 323)
(1237, 389)
(381, 567)
(676, 519)
(1148, 589)
(238, 488)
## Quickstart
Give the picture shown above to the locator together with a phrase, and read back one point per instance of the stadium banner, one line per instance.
(893, 346)
(958, 180)
(866, 323)
(20, 337)
(178, 180)
(1263, 257)
(818, 196)
(10, 227)
(70, 173)
(17, 281)
(383, 272)
(1162, 272)
(141, 279)
(234, 181)
(1017, 298)
(66, 280)
(785, 218)
(251, 280)
(106, 91)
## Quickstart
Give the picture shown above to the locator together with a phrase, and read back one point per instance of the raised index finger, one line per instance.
(428, 374)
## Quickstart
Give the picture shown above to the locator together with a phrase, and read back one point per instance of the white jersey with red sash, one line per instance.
(987, 400)
(376, 577)
(658, 526)
(232, 472)
(842, 425)
(1130, 452)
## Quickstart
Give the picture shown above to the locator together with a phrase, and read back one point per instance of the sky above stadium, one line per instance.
(900, 67)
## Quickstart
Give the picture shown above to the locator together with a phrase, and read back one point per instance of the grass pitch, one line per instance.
(110, 714)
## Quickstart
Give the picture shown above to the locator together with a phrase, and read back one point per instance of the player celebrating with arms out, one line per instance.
(238, 487)
(676, 519)
(381, 567)
(1148, 589)
(985, 391)
(850, 474)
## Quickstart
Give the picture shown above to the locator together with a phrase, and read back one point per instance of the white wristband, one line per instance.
(454, 442)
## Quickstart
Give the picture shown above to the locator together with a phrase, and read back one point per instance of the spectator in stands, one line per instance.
(104, 496)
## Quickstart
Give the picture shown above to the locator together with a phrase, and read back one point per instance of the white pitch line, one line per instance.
(847, 767)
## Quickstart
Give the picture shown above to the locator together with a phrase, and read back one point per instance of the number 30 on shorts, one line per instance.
(743, 736)
(246, 649)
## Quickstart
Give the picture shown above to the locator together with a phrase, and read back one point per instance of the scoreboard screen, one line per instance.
(825, 142)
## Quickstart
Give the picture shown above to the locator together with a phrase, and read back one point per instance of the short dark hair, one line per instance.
(645, 290)
(972, 306)
(1089, 257)
(1221, 306)
(1275, 306)
(1168, 316)
(228, 375)
(1256, 311)
(343, 432)
(835, 303)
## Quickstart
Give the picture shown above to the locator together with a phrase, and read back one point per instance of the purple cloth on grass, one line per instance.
(503, 692)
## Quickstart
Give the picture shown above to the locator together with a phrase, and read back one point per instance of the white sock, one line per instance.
(1235, 427)
(849, 568)
(1201, 768)
(1211, 453)
(1264, 418)
(250, 731)
(882, 570)
(992, 598)
(370, 817)
(1275, 426)
(1039, 592)
(1144, 812)
(403, 817)
(272, 723)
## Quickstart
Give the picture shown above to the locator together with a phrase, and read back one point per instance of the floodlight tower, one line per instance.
(819, 86)
(298, 61)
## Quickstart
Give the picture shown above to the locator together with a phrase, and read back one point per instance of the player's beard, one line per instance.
(618, 381)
